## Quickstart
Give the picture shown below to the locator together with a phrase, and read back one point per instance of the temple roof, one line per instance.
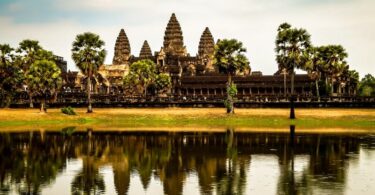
(145, 51)
(122, 49)
(206, 43)
(173, 39)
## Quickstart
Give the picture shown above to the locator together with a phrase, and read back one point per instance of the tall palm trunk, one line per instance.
(292, 83)
(317, 89)
(89, 108)
(42, 103)
(292, 114)
(31, 105)
(284, 84)
(326, 86)
(230, 106)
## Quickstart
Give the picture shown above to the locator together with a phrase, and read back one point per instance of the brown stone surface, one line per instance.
(173, 39)
(145, 51)
(122, 49)
(206, 44)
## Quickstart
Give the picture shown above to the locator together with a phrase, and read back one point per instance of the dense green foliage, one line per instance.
(15, 65)
(11, 75)
(229, 58)
(68, 110)
(88, 54)
(367, 86)
(163, 82)
(143, 75)
(43, 78)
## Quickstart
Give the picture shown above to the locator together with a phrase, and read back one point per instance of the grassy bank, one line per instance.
(187, 119)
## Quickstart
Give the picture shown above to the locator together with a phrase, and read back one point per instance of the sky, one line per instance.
(55, 24)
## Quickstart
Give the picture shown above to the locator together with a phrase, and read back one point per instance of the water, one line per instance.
(92, 162)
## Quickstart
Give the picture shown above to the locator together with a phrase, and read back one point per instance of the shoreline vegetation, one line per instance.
(312, 120)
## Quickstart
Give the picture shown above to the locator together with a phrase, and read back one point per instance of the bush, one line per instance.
(68, 110)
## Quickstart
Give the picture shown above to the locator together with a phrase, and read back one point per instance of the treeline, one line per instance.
(326, 64)
(28, 68)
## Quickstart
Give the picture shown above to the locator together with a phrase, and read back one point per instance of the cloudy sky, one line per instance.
(55, 23)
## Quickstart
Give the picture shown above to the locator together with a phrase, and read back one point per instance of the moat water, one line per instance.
(93, 162)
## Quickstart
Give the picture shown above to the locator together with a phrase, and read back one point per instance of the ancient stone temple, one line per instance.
(193, 76)
(122, 49)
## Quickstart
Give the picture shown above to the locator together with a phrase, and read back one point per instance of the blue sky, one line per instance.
(55, 23)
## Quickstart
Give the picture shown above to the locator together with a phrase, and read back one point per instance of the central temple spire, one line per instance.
(173, 39)
(122, 49)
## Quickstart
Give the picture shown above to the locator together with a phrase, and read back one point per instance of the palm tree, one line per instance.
(353, 79)
(43, 78)
(28, 50)
(292, 44)
(88, 54)
(332, 63)
(313, 67)
(229, 59)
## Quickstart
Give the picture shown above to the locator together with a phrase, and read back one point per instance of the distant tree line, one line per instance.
(326, 64)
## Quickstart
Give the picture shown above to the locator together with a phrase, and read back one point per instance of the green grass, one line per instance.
(103, 120)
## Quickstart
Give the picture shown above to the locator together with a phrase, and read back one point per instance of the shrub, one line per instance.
(68, 110)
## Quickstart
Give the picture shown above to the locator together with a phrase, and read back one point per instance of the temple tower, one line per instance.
(122, 49)
(145, 51)
(206, 44)
(206, 50)
(173, 39)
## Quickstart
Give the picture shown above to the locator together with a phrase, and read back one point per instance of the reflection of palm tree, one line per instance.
(286, 184)
(121, 174)
(231, 176)
(145, 169)
(88, 180)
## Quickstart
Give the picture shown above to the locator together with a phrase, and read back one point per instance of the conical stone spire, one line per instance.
(145, 51)
(122, 49)
(173, 39)
(206, 44)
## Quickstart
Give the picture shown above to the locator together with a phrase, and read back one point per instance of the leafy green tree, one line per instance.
(88, 54)
(142, 75)
(367, 86)
(292, 47)
(163, 82)
(11, 76)
(332, 63)
(131, 84)
(43, 78)
(28, 53)
(230, 59)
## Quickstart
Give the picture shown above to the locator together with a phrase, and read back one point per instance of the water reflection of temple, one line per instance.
(219, 160)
